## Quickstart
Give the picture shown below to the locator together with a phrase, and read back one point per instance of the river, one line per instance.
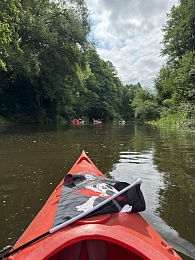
(33, 160)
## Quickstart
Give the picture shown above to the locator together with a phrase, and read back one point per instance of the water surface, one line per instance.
(33, 160)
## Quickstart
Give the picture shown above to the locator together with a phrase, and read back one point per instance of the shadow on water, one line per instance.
(33, 159)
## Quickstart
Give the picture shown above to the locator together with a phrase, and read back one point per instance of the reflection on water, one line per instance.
(34, 159)
(128, 168)
(132, 165)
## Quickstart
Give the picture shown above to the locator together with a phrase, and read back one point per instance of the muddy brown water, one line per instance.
(33, 160)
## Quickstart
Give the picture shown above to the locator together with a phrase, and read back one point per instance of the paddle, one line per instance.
(70, 221)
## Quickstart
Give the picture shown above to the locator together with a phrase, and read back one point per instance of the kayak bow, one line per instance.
(109, 233)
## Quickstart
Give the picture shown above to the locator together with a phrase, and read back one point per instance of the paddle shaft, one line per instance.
(25, 245)
(70, 221)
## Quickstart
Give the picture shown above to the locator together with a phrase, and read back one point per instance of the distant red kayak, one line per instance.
(109, 232)
(77, 122)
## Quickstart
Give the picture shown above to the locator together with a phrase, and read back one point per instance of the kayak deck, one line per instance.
(109, 236)
(102, 237)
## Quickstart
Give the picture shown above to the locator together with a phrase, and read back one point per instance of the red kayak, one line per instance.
(77, 122)
(113, 231)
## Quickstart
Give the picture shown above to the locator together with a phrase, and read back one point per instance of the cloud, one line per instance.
(128, 33)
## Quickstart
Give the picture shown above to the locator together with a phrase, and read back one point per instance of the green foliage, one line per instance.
(50, 72)
(102, 96)
(127, 111)
(175, 83)
(9, 17)
(185, 78)
(145, 105)
(164, 84)
(179, 32)
(51, 67)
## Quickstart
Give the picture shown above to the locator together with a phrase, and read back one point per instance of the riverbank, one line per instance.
(177, 121)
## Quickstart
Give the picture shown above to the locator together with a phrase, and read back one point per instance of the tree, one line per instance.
(179, 32)
(164, 84)
(185, 78)
(47, 74)
(127, 111)
(102, 95)
(9, 15)
(145, 105)
(175, 81)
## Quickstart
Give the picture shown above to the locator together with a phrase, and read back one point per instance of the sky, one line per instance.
(128, 33)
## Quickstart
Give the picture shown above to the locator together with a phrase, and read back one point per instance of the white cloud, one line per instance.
(128, 33)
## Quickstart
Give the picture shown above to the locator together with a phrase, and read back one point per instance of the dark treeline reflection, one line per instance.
(174, 157)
